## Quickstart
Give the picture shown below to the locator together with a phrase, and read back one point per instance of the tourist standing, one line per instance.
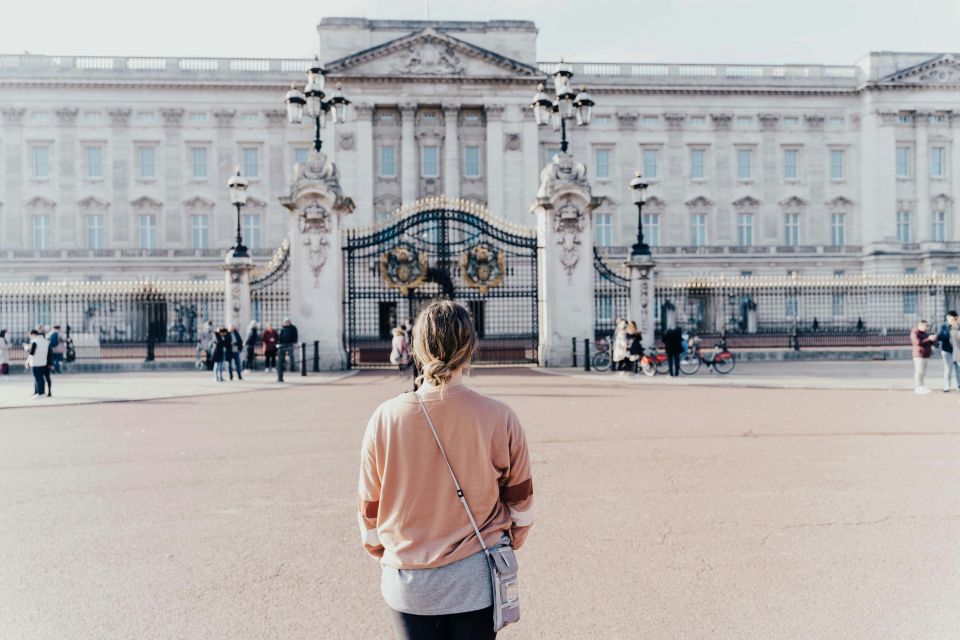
(635, 346)
(435, 577)
(58, 347)
(252, 331)
(219, 353)
(236, 348)
(288, 344)
(205, 341)
(270, 338)
(4, 353)
(673, 346)
(950, 367)
(399, 349)
(922, 342)
(37, 351)
(620, 347)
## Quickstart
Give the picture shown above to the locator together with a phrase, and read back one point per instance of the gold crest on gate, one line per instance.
(483, 266)
(403, 267)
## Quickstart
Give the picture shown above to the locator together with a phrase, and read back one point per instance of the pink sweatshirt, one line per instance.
(409, 513)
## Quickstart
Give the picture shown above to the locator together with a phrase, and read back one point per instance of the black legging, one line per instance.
(673, 362)
(473, 625)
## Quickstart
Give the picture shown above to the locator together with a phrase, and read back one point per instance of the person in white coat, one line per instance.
(4, 353)
(37, 352)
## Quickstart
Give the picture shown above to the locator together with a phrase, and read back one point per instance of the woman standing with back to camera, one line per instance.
(436, 576)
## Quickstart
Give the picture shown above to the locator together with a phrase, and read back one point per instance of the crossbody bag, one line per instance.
(502, 560)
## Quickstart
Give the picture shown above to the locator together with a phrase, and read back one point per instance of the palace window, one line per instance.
(790, 164)
(147, 232)
(198, 162)
(430, 161)
(471, 161)
(197, 116)
(838, 229)
(146, 162)
(200, 232)
(791, 308)
(745, 229)
(837, 169)
(937, 156)
(604, 229)
(836, 123)
(909, 303)
(837, 304)
(903, 162)
(300, 155)
(649, 121)
(697, 163)
(41, 161)
(649, 163)
(95, 232)
(903, 226)
(251, 162)
(791, 121)
(744, 161)
(602, 158)
(94, 162)
(251, 230)
(791, 229)
(697, 121)
(388, 161)
(744, 121)
(698, 229)
(938, 222)
(651, 229)
(41, 232)
(904, 118)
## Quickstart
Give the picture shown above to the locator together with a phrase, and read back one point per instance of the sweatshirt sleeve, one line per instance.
(369, 492)
(516, 488)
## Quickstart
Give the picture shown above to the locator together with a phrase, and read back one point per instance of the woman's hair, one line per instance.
(632, 327)
(444, 340)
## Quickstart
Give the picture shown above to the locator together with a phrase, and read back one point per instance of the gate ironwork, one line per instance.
(611, 296)
(270, 289)
(442, 248)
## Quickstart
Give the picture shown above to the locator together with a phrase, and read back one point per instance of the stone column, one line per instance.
(176, 224)
(11, 223)
(642, 306)
(237, 309)
(365, 163)
(564, 208)
(222, 227)
(451, 152)
(118, 224)
(768, 179)
(495, 160)
(317, 207)
(64, 231)
(723, 188)
(922, 163)
(275, 173)
(408, 155)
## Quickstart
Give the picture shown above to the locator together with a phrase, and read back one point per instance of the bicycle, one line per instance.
(601, 360)
(721, 360)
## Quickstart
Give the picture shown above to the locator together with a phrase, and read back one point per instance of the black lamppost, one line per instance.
(565, 106)
(317, 108)
(238, 197)
(638, 188)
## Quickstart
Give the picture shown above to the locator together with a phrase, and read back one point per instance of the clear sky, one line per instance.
(731, 31)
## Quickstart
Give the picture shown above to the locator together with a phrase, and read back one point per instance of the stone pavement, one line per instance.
(734, 514)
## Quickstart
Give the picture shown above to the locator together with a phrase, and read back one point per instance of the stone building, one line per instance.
(116, 167)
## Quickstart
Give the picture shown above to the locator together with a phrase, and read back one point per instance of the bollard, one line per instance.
(574, 340)
(283, 361)
(316, 356)
(150, 350)
(586, 354)
(303, 358)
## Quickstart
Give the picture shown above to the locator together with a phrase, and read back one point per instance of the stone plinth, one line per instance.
(642, 305)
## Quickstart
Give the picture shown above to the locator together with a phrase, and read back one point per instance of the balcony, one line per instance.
(114, 254)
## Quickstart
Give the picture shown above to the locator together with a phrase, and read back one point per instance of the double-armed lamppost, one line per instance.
(238, 197)
(565, 106)
(312, 97)
(638, 189)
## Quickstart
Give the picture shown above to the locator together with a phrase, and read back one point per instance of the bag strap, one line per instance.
(460, 495)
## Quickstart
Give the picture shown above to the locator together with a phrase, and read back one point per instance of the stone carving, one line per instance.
(793, 202)
(746, 203)
(768, 120)
(314, 224)
(942, 75)
(198, 202)
(66, 115)
(483, 266)
(815, 121)
(513, 142)
(839, 204)
(403, 267)
(562, 171)
(721, 121)
(430, 58)
(224, 117)
(12, 116)
(171, 117)
(119, 117)
(674, 120)
(275, 117)
(347, 141)
(627, 120)
(92, 204)
(319, 168)
(568, 223)
(40, 203)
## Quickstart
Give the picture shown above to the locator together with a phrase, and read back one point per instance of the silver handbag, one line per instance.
(502, 559)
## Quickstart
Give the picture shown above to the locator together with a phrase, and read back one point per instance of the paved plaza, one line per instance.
(665, 510)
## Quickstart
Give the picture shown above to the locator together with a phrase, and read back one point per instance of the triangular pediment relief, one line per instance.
(145, 202)
(256, 203)
(944, 69)
(746, 202)
(654, 203)
(430, 54)
(793, 202)
(941, 200)
(840, 203)
(93, 203)
(39, 202)
(700, 202)
(198, 203)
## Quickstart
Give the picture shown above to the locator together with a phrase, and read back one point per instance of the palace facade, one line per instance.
(116, 167)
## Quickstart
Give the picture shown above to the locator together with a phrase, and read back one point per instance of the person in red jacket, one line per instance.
(269, 339)
(922, 343)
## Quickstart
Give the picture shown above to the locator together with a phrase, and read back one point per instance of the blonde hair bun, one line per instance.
(444, 340)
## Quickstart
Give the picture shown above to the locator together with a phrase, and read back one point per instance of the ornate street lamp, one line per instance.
(312, 100)
(238, 197)
(565, 106)
(638, 188)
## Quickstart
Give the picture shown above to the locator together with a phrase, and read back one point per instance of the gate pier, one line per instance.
(316, 208)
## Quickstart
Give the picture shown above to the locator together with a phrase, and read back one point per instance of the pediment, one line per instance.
(255, 203)
(430, 54)
(146, 202)
(941, 70)
(746, 202)
(654, 203)
(840, 203)
(793, 202)
(198, 203)
(39, 202)
(700, 202)
(93, 203)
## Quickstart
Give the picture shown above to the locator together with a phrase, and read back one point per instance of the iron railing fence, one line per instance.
(270, 289)
(114, 320)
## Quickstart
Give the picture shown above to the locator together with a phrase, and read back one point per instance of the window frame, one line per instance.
(99, 231)
(87, 149)
(381, 150)
(245, 166)
(142, 149)
(423, 161)
(466, 161)
(702, 151)
(796, 164)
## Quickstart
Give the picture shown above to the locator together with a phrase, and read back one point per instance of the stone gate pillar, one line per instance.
(642, 291)
(316, 209)
(564, 209)
(237, 307)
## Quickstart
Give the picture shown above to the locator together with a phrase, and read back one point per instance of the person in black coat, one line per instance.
(634, 346)
(221, 344)
(673, 345)
(236, 348)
